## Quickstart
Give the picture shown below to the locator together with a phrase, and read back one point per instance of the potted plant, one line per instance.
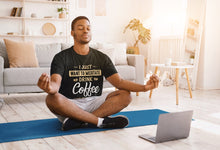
(143, 34)
(62, 12)
(191, 59)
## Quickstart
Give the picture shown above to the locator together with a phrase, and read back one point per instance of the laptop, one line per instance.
(171, 126)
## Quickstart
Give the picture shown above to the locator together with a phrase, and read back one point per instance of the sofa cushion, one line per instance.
(119, 49)
(66, 45)
(110, 52)
(23, 76)
(126, 72)
(120, 57)
(21, 54)
(46, 52)
(4, 54)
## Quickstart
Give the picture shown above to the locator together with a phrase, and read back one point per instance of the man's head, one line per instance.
(81, 30)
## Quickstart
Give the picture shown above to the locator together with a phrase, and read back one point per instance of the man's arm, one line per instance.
(122, 84)
(51, 84)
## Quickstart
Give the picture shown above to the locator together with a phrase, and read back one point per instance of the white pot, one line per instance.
(191, 61)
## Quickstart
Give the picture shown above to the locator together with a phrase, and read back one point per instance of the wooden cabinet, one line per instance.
(35, 14)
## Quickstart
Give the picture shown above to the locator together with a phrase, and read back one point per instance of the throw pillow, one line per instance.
(21, 54)
(46, 52)
(106, 48)
(66, 45)
(4, 54)
(110, 52)
(121, 57)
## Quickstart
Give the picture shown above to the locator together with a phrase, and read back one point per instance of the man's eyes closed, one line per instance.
(82, 28)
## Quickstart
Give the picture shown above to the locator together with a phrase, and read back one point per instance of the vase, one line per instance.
(133, 50)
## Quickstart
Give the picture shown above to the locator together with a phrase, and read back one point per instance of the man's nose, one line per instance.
(86, 30)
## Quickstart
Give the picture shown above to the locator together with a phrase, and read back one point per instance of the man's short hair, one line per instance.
(76, 19)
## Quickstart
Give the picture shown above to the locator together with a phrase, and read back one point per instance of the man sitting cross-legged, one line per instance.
(75, 85)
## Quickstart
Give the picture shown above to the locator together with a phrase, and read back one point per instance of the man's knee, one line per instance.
(125, 97)
(53, 101)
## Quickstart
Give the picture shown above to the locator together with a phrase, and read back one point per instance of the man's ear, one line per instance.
(72, 32)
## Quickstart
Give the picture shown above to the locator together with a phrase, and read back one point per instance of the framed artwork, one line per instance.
(82, 4)
(100, 8)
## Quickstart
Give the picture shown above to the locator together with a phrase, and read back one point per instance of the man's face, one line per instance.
(81, 32)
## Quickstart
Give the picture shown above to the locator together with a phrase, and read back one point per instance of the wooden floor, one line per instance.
(204, 134)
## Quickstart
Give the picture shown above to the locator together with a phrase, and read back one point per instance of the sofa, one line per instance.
(24, 79)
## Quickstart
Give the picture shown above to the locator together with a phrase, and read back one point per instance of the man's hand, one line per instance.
(152, 83)
(44, 83)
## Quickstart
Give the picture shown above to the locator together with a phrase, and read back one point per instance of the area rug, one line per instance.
(25, 130)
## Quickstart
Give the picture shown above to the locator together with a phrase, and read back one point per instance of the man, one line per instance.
(75, 85)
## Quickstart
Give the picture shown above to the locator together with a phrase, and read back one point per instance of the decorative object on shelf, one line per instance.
(191, 59)
(49, 29)
(144, 34)
(33, 15)
(16, 11)
(62, 12)
(61, 33)
(48, 16)
(12, 33)
(58, 0)
(193, 27)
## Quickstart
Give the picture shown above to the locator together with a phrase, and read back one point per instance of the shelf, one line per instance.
(191, 37)
(28, 18)
(13, 0)
(46, 2)
(52, 19)
(34, 1)
(35, 36)
(25, 19)
(10, 17)
(190, 51)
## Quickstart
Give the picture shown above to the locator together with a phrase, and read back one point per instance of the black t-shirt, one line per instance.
(82, 75)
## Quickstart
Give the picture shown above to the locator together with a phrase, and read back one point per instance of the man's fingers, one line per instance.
(48, 83)
(39, 83)
(42, 82)
(155, 79)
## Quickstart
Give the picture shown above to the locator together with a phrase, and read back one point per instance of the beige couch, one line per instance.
(16, 80)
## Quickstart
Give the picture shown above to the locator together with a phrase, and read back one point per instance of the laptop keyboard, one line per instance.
(152, 138)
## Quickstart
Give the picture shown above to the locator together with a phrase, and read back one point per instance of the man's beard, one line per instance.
(81, 41)
(84, 42)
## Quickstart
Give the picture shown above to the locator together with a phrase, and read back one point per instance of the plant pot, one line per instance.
(62, 15)
(191, 61)
(133, 50)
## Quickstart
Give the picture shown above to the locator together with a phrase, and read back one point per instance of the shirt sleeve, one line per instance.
(108, 67)
(57, 65)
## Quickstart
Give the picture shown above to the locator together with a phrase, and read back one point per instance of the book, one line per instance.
(12, 33)
(18, 14)
(16, 11)
(13, 11)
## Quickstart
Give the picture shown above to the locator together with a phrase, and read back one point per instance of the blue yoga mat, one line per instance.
(16, 131)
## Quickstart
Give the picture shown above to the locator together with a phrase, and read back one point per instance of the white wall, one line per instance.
(107, 28)
(119, 12)
(110, 28)
(209, 67)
